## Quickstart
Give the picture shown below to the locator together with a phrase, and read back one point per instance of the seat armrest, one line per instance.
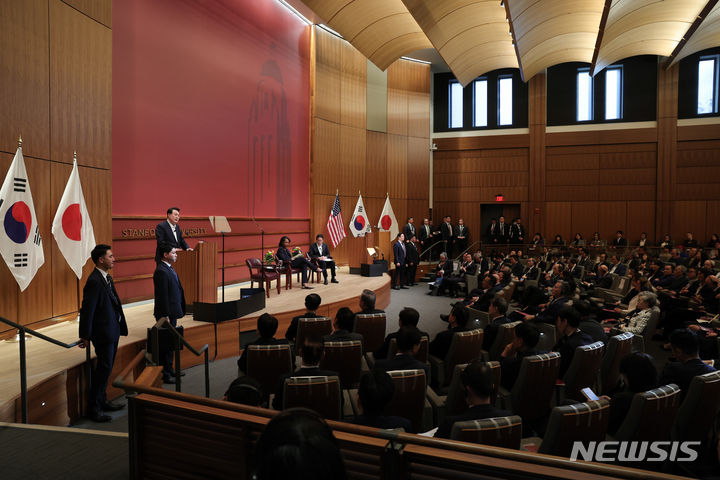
(437, 370)
(504, 399)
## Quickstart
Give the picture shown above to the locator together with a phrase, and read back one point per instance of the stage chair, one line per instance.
(617, 348)
(346, 359)
(321, 394)
(505, 432)
(454, 402)
(464, 348)
(307, 327)
(582, 372)
(701, 404)
(271, 274)
(651, 415)
(268, 363)
(583, 422)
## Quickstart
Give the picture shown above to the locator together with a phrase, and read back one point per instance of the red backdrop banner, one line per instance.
(210, 108)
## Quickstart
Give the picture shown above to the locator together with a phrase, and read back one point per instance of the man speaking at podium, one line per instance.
(320, 252)
(169, 232)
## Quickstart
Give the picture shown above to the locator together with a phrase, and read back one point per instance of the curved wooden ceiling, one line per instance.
(478, 36)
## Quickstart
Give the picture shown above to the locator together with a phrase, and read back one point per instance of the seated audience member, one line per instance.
(523, 345)
(498, 309)
(374, 394)
(596, 241)
(297, 444)
(367, 303)
(684, 347)
(601, 280)
(409, 317)
(444, 269)
(312, 302)
(311, 352)
(666, 242)
(342, 327)
(589, 322)
(690, 241)
(619, 240)
(664, 280)
(637, 374)
(579, 241)
(637, 322)
(457, 320)
(558, 240)
(480, 298)
(616, 267)
(678, 281)
(571, 337)
(481, 263)
(408, 344)
(477, 381)
(560, 297)
(246, 391)
(267, 325)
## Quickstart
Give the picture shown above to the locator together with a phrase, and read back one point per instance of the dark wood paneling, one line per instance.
(376, 166)
(24, 103)
(484, 142)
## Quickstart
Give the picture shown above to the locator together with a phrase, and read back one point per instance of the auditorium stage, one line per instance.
(56, 377)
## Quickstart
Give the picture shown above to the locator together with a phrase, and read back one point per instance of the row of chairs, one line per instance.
(275, 273)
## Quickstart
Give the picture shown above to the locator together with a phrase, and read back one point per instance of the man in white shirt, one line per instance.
(169, 232)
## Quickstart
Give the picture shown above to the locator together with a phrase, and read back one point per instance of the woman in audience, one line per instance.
(666, 242)
(537, 241)
(596, 242)
(713, 240)
(643, 240)
(297, 444)
(637, 322)
(637, 374)
(558, 240)
(578, 241)
(638, 284)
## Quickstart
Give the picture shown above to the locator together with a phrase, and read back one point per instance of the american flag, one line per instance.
(335, 225)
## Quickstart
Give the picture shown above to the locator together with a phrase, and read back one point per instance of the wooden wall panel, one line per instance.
(24, 103)
(584, 219)
(325, 161)
(640, 218)
(688, 216)
(353, 147)
(353, 87)
(418, 168)
(80, 87)
(397, 166)
(376, 166)
(419, 100)
(713, 220)
(557, 220)
(99, 10)
(328, 65)
(397, 99)
(612, 216)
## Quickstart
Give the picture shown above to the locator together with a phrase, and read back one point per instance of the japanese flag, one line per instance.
(72, 228)
(387, 221)
(20, 240)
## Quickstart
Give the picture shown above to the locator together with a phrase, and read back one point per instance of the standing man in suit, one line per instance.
(320, 252)
(425, 236)
(517, 232)
(102, 321)
(400, 254)
(412, 259)
(503, 230)
(493, 232)
(169, 232)
(169, 301)
(446, 234)
(409, 229)
(461, 235)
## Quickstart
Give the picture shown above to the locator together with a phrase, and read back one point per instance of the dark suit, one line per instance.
(478, 412)
(382, 352)
(409, 231)
(618, 269)
(619, 242)
(164, 234)
(425, 237)
(493, 233)
(447, 234)
(440, 346)
(402, 361)
(510, 367)
(503, 232)
(102, 321)
(169, 302)
(412, 258)
(299, 262)
(681, 374)
(517, 232)
(461, 237)
(566, 348)
(277, 403)
(491, 331)
(399, 253)
(315, 253)
(550, 313)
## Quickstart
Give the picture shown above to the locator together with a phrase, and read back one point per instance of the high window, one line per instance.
(480, 101)
(456, 105)
(505, 100)
(613, 93)
(707, 101)
(584, 95)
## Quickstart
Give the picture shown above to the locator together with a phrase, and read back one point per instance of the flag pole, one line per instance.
(17, 336)
(77, 280)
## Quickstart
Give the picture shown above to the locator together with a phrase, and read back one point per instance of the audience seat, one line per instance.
(421, 355)
(583, 422)
(464, 348)
(477, 318)
(505, 432)
(548, 336)
(505, 336)
(256, 275)
(268, 363)
(372, 327)
(309, 327)
(321, 394)
(409, 400)
(651, 415)
(701, 405)
(531, 396)
(583, 370)
(346, 359)
(618, 347)
(454, 402)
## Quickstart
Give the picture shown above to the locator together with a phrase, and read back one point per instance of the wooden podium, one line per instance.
(197, 271)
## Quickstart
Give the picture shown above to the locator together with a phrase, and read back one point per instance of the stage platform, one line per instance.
(56, 376)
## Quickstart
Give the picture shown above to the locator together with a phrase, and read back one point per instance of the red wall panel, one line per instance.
(210, 108)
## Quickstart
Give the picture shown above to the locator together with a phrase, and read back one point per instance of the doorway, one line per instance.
(489, 211)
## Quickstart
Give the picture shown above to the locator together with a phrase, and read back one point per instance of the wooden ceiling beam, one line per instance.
(514, 40)
(601, 32)
(690, 31)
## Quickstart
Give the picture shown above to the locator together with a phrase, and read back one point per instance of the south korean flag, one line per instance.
(20, 240)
